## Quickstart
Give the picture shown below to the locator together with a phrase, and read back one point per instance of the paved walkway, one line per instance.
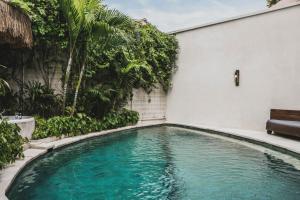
(276, 140)
(292, 145)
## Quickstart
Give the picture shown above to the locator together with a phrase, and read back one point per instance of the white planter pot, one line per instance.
(26, 124)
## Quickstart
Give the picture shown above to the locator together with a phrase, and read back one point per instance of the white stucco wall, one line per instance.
(266, 50)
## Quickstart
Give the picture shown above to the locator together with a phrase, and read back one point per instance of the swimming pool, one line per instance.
(157, 163)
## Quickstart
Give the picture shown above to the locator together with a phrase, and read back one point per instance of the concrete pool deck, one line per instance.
(38, 148)
(276, 142)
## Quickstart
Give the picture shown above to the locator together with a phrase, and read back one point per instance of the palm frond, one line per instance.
(3, 66)
(137, 66)
(101, 92)
(115, 18)
(4, 86)
(72, 11)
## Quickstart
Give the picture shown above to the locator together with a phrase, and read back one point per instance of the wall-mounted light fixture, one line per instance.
(237, 77)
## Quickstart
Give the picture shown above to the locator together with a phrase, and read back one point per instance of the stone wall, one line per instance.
(150, 106)
(54, 77)
(33, 74)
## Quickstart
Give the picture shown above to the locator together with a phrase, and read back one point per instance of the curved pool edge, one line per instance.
(8, 175)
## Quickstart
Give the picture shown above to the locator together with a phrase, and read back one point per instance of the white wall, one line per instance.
(264, 47)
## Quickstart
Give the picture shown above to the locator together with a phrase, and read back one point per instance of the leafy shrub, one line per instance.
(41, 129)
(41, 100)
(58, 126)
(82, 124)
(120, 119)
(9, 103)
(10, 143)
(139, 56)
(21, 5)
(148, 60)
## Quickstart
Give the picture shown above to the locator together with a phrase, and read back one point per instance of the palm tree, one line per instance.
(74, 11)
(88, 19)
(102, 26)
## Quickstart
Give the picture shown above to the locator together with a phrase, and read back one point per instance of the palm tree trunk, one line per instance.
(77, 88)
(67, 77)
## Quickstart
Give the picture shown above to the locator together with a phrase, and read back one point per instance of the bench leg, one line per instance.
(269, 132)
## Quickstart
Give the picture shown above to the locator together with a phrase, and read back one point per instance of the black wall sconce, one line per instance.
(237, 77)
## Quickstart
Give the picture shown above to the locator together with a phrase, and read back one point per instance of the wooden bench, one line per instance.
(285, 122)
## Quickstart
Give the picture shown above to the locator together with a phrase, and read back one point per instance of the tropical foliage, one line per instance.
(10, 143)
(4, 86)
(145, 62)
(102, 54)
(88, 19)
(82, 124)
(40, 100)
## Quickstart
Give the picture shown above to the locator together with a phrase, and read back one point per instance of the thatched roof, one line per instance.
(15, 26)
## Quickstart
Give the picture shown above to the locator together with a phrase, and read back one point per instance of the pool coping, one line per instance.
(236, 134)
(8, 174)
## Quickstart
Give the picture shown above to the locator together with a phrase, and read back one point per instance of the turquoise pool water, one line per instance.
(157, 163)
